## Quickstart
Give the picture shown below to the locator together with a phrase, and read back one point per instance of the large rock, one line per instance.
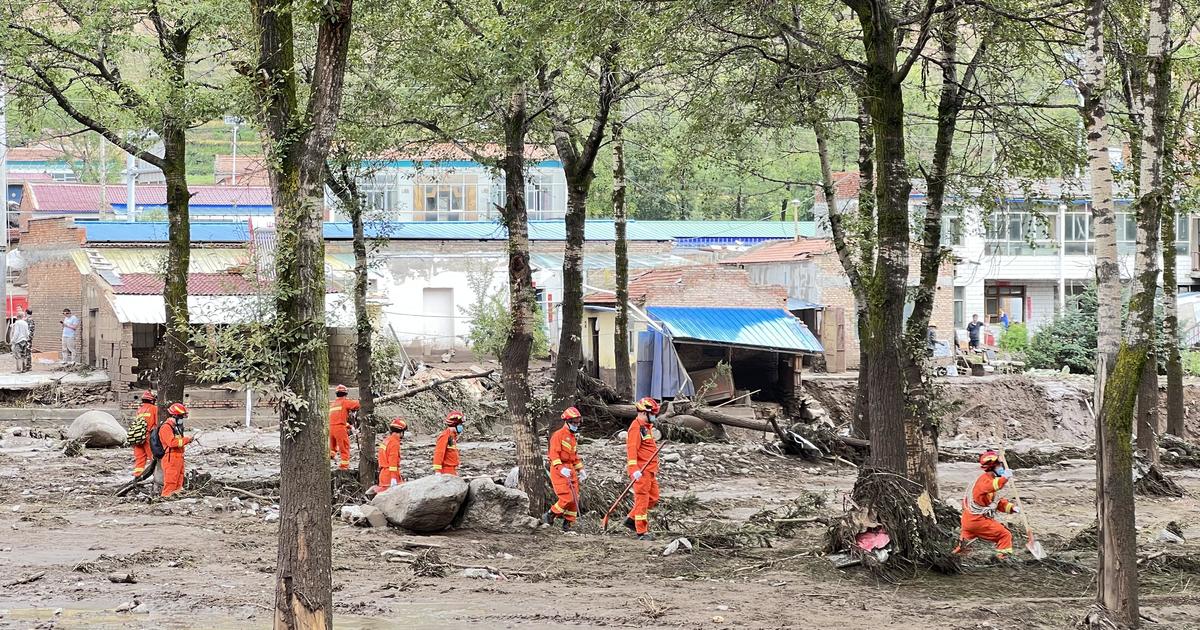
(491, 506)
(97, 429)
(425, 505)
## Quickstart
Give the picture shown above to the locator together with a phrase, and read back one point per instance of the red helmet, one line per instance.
(571, 413)
(148, 396)
(454, 418)
(398, 424)
(648, 405)
(989, 459)
(341, 390)
(177, 410)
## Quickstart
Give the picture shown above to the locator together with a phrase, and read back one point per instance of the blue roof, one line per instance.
(156, 231)
(765, 328)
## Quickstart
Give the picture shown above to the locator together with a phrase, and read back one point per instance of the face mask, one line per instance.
(653, 418)
(573, 428)
(998, 471)
(458, 429)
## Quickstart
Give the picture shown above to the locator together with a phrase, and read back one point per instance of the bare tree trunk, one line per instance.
(866, 220)
(367, 459)
(179, 254)
(514, 360)
(1170, 296)
(624, 378)
(570, 339)
(1147, 409)
(300, 141)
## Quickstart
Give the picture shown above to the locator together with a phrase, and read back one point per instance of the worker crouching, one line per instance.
(980, 506)
(173, 441)
(445, 454)
(566, 470)
(642, 466)
(389, 456)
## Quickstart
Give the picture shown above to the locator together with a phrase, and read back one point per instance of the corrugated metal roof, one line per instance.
(783, 251)
(766, 328)
(220, 309)
(153, 259)
(609, 261)
(156, 231)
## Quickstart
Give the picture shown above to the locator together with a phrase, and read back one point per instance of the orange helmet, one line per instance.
(454, 418)
(148, 396)
(648, 405)
(989, 459)
(341, 390)
(177, 410)
(571, 413)
(398, 424)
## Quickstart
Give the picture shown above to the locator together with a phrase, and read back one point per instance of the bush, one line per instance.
(491, 320)
(1069, 340)
(1015, 339)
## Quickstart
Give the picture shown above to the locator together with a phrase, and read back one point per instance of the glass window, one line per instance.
(952, 230)
(960, 295)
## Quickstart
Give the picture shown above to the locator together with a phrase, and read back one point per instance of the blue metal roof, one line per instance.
(156, 231)
(765, 328)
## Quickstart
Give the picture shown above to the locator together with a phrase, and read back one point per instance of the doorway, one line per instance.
(594, 358)
(91, 336)
(438, 312)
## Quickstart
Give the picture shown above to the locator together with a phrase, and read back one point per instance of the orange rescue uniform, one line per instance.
(339, 429)
(563, 454)
(389, 462)
(640, 449)
(172, 460)
(445, 454)
(142, 454)
(980, 506)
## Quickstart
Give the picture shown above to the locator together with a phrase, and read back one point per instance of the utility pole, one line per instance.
(105, 209)
(236, 123)
(130, 187)
(4, 298)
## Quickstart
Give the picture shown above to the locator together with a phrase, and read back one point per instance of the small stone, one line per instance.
(271, 517)
(122, 578)
(744, 471)
(1169, 537)
(671, 457)
(722, 608)
(621, 436)
(718, 619)
(141, 609)
(478, 573)
(126, 607)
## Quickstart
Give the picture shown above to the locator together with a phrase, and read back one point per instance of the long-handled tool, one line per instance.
(604, 521)
(573, 484)
(1033, 545)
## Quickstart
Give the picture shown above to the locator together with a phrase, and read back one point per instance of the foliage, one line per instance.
(1015, 339)
(1069, 340)
(1191, 362)
(388, 361)
(491, 319)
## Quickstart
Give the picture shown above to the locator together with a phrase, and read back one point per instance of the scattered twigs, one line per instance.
(417, 390)
(26, 580)
(252, 495)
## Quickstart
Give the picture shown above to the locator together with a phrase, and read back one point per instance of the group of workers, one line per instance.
(165, 442)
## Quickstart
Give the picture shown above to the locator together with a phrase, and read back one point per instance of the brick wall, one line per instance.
(52, 277)
(343, 364)
(712, 285)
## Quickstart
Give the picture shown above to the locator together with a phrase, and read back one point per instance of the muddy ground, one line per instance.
(206, 561)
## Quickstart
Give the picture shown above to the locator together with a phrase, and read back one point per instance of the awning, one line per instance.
(759, 328)
(796, 304)
(222, 309)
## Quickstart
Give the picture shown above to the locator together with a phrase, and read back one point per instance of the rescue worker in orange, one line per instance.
(389, 455)
(642, 466)
(148, 413)
(170, 433)
(566, 470)
(980, 506)
(341, 410)
(445, 454)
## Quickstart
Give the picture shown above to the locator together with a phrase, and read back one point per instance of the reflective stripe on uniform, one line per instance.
(567, 445)
(393, 468)
(996, 483)
(556, 508)
(437, 466)
(570, 513)
(632, 462)
(453, 446)
(640, 517)
(556, 462)
(578, 465)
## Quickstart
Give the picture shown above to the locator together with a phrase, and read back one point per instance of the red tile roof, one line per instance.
(783, 251)
(36, 153)
(846, 184)
(57, 197)
(198, 284)
(17, 177)
(696, 285)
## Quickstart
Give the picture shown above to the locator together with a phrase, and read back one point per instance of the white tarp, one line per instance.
(223, 309)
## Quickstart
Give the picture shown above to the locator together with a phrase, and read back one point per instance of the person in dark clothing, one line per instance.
(973, 332)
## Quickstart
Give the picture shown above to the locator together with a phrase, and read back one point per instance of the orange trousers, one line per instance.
(989, 529)
(564, 488)
(141, 457)
(339, 444)
(386, 477)
(172, 465)
(449, 470)
(645, 497)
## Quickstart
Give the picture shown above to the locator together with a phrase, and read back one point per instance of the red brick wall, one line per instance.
(712, 285)
(53, 278)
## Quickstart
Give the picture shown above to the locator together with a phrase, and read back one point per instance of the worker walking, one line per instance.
(389, 455)
(980, 506)
(445, 454)
(642, 466)
(566, 470)
(341, 411)
(145, 422)
(173, 441)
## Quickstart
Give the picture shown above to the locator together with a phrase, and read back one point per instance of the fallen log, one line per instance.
(382, 400)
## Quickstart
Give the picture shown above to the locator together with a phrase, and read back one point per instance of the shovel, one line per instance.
(1033, 545)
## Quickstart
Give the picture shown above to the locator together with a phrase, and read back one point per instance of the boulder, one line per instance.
(97, 429)
(491, 506)
(425, 505)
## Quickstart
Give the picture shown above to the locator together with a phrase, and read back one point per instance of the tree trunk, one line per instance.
(1147, 409)
(570, 339)
(1170, 296)
(514, 360)
(866, 220)
(367, 460)
(179, 253)
(624, 380)
(299, 140)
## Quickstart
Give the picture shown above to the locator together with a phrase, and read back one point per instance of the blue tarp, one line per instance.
(765, 328)
(659, 373)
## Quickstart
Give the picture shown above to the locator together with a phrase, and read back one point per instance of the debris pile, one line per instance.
(1148, 480)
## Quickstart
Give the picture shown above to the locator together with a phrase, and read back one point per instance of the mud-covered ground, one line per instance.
(206, 561)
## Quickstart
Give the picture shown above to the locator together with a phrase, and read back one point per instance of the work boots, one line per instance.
(548, 518)
(648, 536)
(630, 524)
(566, 526)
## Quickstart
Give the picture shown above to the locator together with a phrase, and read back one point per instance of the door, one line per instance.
(91, 336)
(594, 357)
(438, 312)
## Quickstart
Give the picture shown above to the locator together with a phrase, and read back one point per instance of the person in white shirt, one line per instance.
(18, 337)
(70, 325)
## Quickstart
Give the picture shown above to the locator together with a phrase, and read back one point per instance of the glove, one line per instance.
(1016, 510)
(637, 475)
(393, 484)
(583, 474)
(1007, 474)
(565, 472)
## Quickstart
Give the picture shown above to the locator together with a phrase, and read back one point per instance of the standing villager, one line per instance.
(445, 454)
(18, 338)
(642, 466)
(974, 332)
(70, 328)
(566, 470)
(389, 456)
(340, 411)
(980, 506)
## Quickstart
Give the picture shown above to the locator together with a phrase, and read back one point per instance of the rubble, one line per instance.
(363, 516)
(97, 429)
(424, 505)
(490, 506)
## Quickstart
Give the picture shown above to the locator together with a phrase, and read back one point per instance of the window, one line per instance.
(960, 295)
(1077, 233)
(1020, 233)
(952, 230)
(446, 196)
(1126, 232)
(1183, 233)
(1008, 298)
(379, 192)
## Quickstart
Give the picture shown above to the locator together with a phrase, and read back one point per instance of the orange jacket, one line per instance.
(389, 454)
(562, 450)
(640, 447)
(982, 495)
(339, 410)
(446, 452)
(149, 413)
(172, 443)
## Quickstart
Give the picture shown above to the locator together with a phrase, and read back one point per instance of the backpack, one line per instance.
(137, 430)
(156, 445)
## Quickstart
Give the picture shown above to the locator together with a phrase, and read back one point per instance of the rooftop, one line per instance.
(85, 198)
(696, 285)
(198, 284)
(783, 251)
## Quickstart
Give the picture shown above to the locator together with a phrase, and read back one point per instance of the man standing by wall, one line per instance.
(18, 337)
(70, 325)
(974, 330)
